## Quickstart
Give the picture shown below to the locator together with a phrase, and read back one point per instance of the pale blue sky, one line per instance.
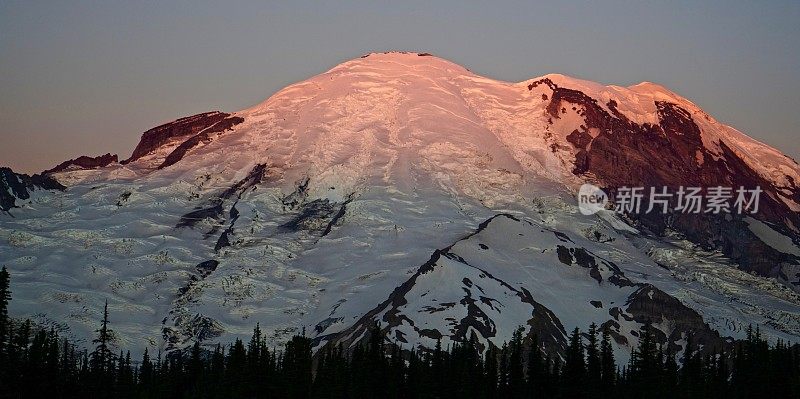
(88, 77)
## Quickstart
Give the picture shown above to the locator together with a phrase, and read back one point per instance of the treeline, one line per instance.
(42, 364)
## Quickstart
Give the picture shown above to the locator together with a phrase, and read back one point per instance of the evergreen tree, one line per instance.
(502, 372)
(331, 377)
(574, 374)
(375, 364)
(645, 365)
(491, 378)
(516, 375)
(124, 376)
(146, 377)
(5, 297)
(608, 368)
(216, 371)
(537, 370)
(297, 368)
(670, 374)
(437, 370)
(395, 372)
(195, 371)
(5, 325)
(690, 379)
(556, 378)
(102, 357)
(414, 375)
(593, 363)
(235, 375)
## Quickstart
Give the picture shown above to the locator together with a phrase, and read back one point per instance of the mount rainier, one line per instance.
(404, 190)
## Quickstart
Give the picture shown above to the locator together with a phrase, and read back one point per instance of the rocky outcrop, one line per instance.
(204, 136)
(316, 217)
(651, 307)
(214, 207)
(18, 186)
(212, 210)
(621, 153)
(169, 132)
(84, 162)
(669, 321)
(581, 257)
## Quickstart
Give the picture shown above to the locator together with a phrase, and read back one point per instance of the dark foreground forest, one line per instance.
(38, 363)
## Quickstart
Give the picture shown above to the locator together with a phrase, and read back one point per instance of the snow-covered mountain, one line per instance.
(404, 190)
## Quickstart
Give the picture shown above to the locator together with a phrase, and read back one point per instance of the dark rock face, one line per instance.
(312, 216)
(205, 268)
(298, 196)
(649, 305)
(318, 216)
(197, 328)
(254, 177)
(222, 242)
(337, 217)
(14, 186)
(579, 139)
(671, 154)
(85, 162)
(214, 209)
(204, 136)
(123, 198)
(587, 260)
(181, 128)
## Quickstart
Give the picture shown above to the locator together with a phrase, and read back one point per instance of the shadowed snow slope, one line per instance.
(404, 190)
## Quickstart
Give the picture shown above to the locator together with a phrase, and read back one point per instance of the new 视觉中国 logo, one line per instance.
(591, 199)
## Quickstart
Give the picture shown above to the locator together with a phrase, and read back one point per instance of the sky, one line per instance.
(87, 78)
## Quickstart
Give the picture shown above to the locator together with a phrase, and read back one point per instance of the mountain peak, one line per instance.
(394, 61)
